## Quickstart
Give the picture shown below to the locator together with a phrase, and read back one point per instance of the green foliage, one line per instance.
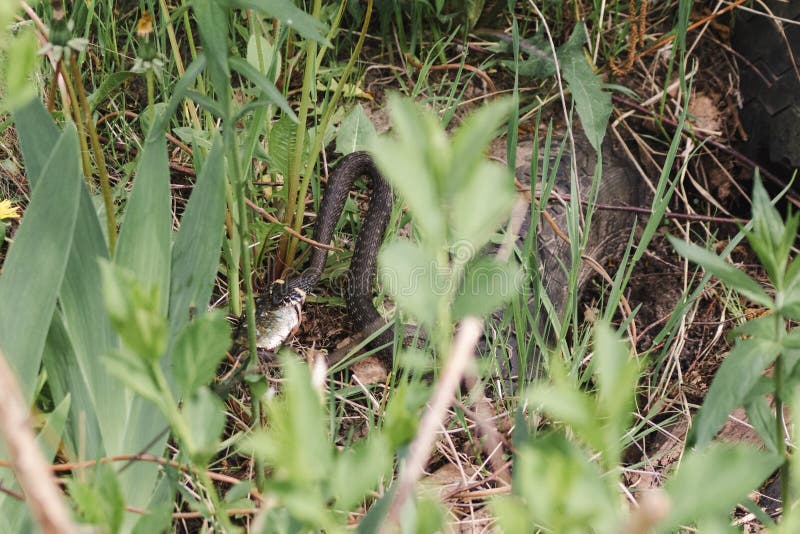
(591, 101)
(315, 482)
(558, 487)
(759, 342)
(442, 182)
(138, 298)
(355, 132)
(593, 104)
(99, 500)
(40, 252)
(555, 484)
(709, 483)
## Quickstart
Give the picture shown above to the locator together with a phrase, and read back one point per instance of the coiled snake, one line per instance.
(279, 311)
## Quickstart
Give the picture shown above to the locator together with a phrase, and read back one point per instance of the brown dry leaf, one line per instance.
(706, 114)
(370, 370)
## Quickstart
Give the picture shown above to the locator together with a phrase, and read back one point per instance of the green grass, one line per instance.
(137, 350)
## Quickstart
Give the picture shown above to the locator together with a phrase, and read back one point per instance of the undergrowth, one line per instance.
(168, 160)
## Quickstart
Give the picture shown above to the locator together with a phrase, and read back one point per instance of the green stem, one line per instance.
(232, 245)
(295, 206)
(76, 115)
(250, 305)
(239, 191)
(323, 125)
(151, 97)
(99, 157)
(176, 53)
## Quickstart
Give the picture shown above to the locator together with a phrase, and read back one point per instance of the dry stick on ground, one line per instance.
(271, 218)
(31, 469)
(456, 66)
(792, 197)
(461, 357)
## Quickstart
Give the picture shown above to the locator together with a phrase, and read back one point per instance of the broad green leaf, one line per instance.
(472, 11)
(561, 488)
(763, 327)
(593, 104)
(471, 140)
(212, 21)
(89, 332)
(134, 372)
(159, 510)
(99, 500)
(491, 187)
(290, 15)
(84, 332)
(198, 243)
(407, 161)
(423, 514)
(616, 374)
(267, 87)
(282, 141)
(569, 406)
(144, 240)
(409, 274)
(66, 380)
(38, 134)
(134, 312)
(371, 459)
(737, 375)
(198, 351)
(768, 225)
(402, 416)
(615, 371)
(792, 279)
(296, 416)
(262, 55)
(511, 514)
(727, 273)
(204, 415)
(355, 133)
(144, 249)
(728, 473)
(759, 414)
(20, 61)
(39, 253)
(487, 285)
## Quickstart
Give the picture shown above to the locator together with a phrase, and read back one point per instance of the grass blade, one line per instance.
(144, 240)
(39, 255)
(38, 134)
(195, 255)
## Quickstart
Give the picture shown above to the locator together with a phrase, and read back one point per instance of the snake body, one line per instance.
(272, 319)
(609, 232)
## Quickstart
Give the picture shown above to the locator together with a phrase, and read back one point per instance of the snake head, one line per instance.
(282, 294)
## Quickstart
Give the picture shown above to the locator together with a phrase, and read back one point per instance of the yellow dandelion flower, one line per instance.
(145, 25)
(8, 210)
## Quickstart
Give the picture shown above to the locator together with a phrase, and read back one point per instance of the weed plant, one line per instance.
(105, 291)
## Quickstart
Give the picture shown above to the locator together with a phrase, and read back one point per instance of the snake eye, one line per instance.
(283, 294)
(295, 296)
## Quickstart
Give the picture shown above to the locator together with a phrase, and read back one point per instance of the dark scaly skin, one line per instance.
(361, 275)
(609, 231)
